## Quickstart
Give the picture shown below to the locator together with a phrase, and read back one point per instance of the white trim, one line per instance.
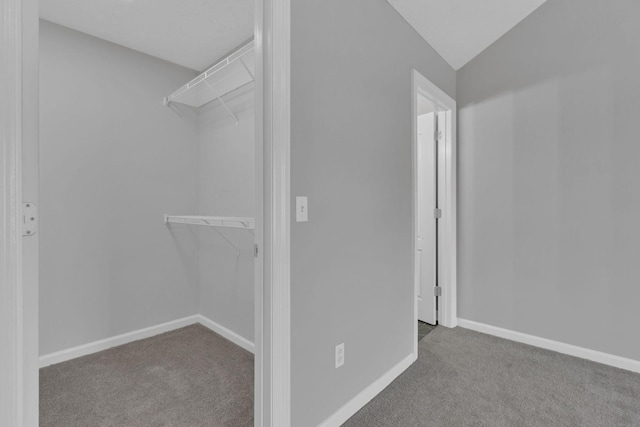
(273, 50)
(560, 347)
(449, 303)
(104, 344)
(361, 399)
(226, 333)
(260, 391)
(12, 366)
(151, 331)
(447, 249)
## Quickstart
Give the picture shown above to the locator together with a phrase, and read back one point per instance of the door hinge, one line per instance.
(437, 213)
(437, 291)
(29, 219)
(437, 135)
(255, 250)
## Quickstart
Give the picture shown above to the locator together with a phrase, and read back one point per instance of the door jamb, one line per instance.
(447, 247)
(12, 369)
(18, 139)
(272, 271)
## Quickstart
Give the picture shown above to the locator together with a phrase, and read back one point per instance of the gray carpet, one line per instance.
(424, 329)
(464, 378)
(187, 377)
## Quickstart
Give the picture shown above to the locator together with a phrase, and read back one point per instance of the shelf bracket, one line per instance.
(224, 104)
(247, 69)
(229, 110)
(228, 241)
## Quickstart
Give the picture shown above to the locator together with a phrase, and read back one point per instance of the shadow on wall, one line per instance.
(185, 240)
(185, 112)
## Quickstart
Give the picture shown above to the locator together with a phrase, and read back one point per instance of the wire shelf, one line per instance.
(233, 72)
(212, 221)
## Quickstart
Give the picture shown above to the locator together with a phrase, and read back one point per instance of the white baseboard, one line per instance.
(365, 396)
(226, 333)
(560, 347)
(104, 344)
(96, 346)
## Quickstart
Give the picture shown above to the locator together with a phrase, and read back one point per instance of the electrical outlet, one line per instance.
(339, 355)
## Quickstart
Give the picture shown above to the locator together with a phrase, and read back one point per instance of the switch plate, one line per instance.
(302, 209)
(339, 355)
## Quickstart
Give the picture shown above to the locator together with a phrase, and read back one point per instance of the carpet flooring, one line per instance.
(424, 329)
(465, 378)
(187, 377)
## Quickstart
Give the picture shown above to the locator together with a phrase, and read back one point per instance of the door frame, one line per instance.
(19, 130)
(18, 140)
(447, 191)
(272, 405)
(12, 368)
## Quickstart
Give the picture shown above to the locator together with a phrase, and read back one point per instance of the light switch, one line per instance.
(302, 209)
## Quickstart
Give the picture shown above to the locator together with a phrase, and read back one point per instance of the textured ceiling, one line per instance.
(460, 29)
(192, 33)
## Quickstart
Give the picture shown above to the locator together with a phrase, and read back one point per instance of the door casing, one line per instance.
(447, 248)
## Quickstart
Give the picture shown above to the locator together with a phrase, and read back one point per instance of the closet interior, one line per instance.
(147, 207)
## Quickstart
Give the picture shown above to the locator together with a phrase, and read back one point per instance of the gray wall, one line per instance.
(226, 178)
(351, 155)
(549, 184)
(113, 160)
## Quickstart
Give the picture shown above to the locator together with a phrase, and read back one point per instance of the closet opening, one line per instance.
(148, 213)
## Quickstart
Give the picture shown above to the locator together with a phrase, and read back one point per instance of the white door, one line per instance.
(426, 233)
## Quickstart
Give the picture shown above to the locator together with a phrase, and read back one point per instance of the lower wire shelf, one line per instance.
(212, 221)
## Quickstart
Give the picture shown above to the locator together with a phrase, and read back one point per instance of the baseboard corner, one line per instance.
(226, 333)
(107, 343)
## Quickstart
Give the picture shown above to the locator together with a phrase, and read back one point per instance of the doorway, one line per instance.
(427, 211)
(19, 394)
(434, 206)
(147, 214)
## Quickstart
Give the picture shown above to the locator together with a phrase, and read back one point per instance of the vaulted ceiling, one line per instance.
(193, 33)
(196, 33)
(460, 29)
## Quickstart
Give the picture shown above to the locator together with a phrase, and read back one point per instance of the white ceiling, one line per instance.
(192, 33)
(460, 29)
(195, 33)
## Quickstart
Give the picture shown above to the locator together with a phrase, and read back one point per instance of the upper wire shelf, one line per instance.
(233, 72)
